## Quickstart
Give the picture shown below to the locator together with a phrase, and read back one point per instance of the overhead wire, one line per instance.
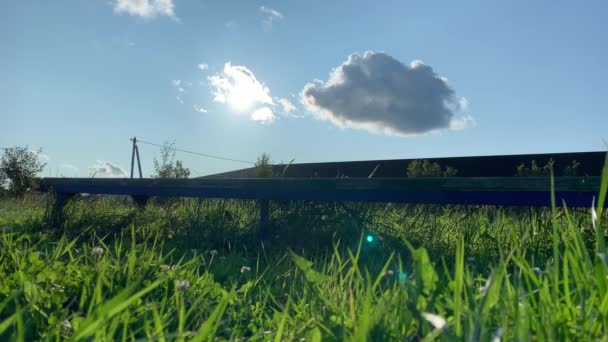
(196, 153)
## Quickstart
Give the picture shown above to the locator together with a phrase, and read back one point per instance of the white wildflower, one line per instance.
(182, 284)
(437, 321)
(593, 213)
(168, 268)
(66, 325)
(389, 273)
(245, 269)
(497, 335)
(538, 271)
(602, 257)
(97, 252)
(58, 288)
(484, 288)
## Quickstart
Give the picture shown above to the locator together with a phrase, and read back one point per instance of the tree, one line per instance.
(18, 169)
(263, 167)
(168, 167)
(425, 168)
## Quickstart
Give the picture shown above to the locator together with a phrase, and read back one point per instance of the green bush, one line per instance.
(425, 168)
(18, 169)
(168, 167)
(263, 167)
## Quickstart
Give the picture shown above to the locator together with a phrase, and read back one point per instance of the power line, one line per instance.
(196, 153)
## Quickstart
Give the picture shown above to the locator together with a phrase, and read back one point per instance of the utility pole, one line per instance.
(135, 152)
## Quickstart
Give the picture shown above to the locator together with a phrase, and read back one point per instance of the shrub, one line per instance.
(168, 167)
(263, 167)
(425, 168)
(18, 169)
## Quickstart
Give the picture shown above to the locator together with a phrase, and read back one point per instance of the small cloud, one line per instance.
(463, 104)
(231, 24)
(199, 109)
(460, 123)
(270, 15)
(68, 169)
(263, 115)
(203, 66)
(238, 87)
(43, 158)
(179, 85)
(145, 8)
(379, 93)
(287, 105)
(106, 168)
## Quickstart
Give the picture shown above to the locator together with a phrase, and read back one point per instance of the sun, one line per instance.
(239, 88)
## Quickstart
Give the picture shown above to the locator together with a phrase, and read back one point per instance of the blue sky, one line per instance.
(314, 81)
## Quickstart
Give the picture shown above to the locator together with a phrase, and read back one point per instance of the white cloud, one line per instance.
(145, 8)
(199, 109)
(203, 66)
(179, 86)
(263, 115)
(231, 24)
(379, 93)
(43, 158)
(238, 87)
(68, 170)
(270, 15)
(271, 12)
(463, 104)
(287, 105)
(463, 122)
(106, 168)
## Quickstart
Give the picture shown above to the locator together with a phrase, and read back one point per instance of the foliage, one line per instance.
(572, 170)
(18, 169)
(168, 167)
(263, 167)
(425, 168)
(535, 170)
(194, 271)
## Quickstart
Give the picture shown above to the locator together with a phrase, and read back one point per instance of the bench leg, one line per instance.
(141, 200)
(264, 204)
(57, 214)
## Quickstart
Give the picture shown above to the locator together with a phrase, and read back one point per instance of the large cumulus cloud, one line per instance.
(377, 92)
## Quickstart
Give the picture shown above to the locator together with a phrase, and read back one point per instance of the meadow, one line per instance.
(193, 269)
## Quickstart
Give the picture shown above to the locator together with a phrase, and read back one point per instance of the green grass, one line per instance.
(194, 270)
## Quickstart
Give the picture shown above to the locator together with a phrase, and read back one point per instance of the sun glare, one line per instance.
(239, 88)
